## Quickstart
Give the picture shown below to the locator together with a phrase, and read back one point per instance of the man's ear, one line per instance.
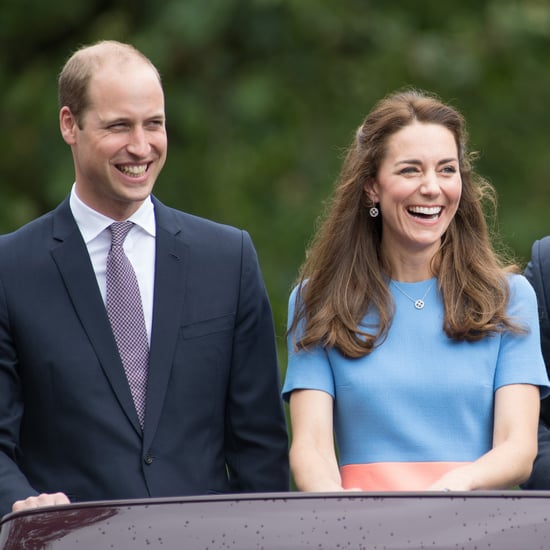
(68, 125)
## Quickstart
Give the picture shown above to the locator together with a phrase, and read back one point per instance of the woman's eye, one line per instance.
(449, 169)
(409, 170)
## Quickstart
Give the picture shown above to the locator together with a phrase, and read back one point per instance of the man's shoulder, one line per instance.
(540, 257)
(543, 246)
(190, 224)
(35, 227)
(39, 234)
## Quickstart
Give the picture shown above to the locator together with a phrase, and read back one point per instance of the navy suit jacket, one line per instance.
(538, 274)
(214, 419)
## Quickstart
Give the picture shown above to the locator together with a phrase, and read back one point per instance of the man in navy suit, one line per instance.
(69, 429)
(538, 274)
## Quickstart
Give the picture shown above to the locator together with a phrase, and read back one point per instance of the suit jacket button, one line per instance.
(148, 460)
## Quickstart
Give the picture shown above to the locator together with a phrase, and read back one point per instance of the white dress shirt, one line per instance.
(139, 247)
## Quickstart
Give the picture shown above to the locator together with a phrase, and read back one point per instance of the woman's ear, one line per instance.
(370, 189)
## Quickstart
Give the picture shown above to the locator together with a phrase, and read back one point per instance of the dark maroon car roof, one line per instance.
(495, 520)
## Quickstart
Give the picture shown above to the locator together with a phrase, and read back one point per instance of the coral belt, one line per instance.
(394, 476)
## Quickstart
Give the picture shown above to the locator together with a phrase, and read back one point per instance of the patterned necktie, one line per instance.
(125, 312)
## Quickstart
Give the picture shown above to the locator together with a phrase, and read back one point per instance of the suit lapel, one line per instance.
(74, 265)
(171, 254)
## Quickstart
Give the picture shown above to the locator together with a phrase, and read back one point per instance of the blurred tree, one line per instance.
(264, 95)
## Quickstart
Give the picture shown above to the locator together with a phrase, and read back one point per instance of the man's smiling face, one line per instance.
(120, 148)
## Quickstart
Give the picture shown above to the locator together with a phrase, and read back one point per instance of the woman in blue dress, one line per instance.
(414, 348)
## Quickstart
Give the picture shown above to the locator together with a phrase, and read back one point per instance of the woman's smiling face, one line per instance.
(417, 188)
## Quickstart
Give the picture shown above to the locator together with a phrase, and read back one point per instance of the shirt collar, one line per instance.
(91, 222)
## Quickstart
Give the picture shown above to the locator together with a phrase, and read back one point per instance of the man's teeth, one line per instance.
(133, 169)
(425, 210)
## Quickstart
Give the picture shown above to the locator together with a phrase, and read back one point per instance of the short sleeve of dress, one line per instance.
(306, 369)
(520, 358)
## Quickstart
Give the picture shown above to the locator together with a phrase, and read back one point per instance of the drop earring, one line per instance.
(374, 212)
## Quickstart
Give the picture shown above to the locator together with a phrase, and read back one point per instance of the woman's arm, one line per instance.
(510, 460)
(312, 455)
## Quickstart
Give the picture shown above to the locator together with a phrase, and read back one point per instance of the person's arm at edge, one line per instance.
(536, 272)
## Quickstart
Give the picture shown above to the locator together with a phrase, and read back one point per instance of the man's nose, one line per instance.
(138, 144)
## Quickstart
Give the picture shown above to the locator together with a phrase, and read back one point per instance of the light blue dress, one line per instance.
(420, 397)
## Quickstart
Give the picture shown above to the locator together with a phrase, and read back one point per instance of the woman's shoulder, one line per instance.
(521, 290)
(518, 283)
(297, 289)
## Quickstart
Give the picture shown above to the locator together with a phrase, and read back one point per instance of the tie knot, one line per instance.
(119, 230)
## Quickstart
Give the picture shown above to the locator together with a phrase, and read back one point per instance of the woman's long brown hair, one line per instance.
(344, 274)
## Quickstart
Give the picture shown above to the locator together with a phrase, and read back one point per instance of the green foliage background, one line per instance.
(263, 95)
